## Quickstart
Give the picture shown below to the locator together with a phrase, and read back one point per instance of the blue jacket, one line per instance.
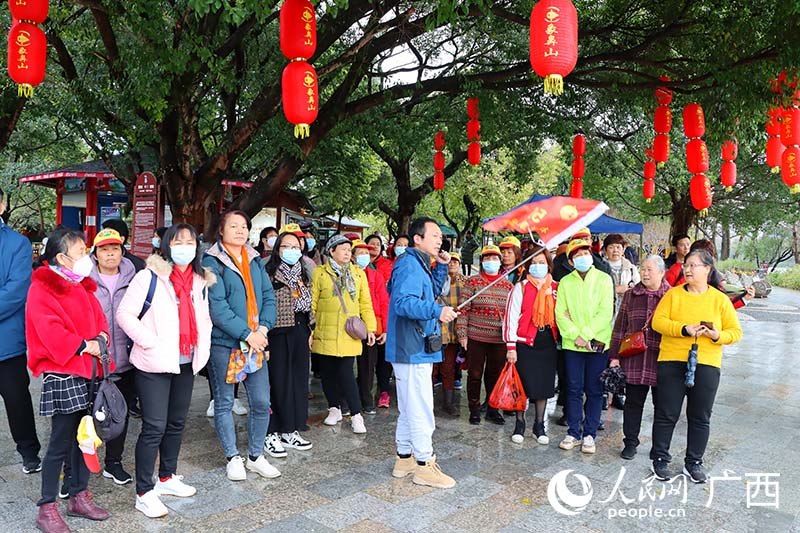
(16, 258)
(227, 299)
(413, 311)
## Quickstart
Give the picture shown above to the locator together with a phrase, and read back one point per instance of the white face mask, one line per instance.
(83, 266)
(271, 241)
(183, 254)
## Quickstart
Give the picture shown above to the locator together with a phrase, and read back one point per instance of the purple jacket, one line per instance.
(118, 345)
(637, 304)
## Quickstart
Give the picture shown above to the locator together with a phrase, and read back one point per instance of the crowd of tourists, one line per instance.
(354, 312)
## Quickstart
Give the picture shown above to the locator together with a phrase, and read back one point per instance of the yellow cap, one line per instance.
(294, 229)
(456, 256)
(108, 236)
(489, 250)
(358, 243)
(583, 233)
(509, 242)
(577, 244)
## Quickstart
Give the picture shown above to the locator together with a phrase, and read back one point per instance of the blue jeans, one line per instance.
(257, 387)
(583, 376)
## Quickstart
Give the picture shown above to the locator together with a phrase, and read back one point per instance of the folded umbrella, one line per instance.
(88, 442)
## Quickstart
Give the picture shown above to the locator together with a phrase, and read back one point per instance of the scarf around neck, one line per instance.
(544, 305)
(344, 278)
(182, 282)
(293, 276)
(242, 264)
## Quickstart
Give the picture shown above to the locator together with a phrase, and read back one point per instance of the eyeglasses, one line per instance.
(690, 266)
(288, 247)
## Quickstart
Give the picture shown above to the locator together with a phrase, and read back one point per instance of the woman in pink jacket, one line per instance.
(171, 343)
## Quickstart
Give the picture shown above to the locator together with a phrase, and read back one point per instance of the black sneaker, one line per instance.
(115, 472)
(601, 426)
(619, 401)
(696, 472)
(369, 410)
(63, 492)
(31, 466)
(562, 421)
(628, 452)
(661, 470)
(519, 432)
(493, 415)
(475, 419)
(540, 433)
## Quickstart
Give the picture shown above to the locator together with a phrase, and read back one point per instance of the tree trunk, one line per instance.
(683, 214)
(796, 242)
(725, 248)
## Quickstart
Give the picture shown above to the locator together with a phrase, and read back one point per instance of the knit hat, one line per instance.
(509, 242)
(490, 249)
(294, 229)
(335, 241)
(577, 244)
(358, 243)
(108, 236)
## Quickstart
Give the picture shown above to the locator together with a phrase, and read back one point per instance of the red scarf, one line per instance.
(183, 282)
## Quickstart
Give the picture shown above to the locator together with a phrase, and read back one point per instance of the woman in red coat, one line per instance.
(65, 328)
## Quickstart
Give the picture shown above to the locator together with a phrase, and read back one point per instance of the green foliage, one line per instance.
(738, 264)
(789, 279)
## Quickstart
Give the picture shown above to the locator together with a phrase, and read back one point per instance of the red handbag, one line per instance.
(634, 343)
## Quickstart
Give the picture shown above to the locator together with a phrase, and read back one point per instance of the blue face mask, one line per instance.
(362, 260)
(182, 254)
(156, 242)
(311, 242)
(583, 263)
(538, 270)
(399, 250)
(291, 256)
(491, 267)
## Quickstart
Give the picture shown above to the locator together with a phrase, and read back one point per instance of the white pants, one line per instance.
(415, 402)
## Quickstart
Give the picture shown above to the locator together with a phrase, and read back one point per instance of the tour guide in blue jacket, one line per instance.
(414, 317)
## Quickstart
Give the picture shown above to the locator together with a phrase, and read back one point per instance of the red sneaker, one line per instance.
(49, 519)
(383, 400)
(81, 505)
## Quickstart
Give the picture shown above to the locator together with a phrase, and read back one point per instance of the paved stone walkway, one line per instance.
(344, 483)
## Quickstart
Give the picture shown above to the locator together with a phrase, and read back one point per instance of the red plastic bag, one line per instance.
(508, 393)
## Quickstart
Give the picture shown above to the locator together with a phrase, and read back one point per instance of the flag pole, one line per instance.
(514, 268)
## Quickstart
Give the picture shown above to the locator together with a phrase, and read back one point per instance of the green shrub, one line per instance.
(789, 279)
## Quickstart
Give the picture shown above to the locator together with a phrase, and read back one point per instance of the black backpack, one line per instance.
(109, 408)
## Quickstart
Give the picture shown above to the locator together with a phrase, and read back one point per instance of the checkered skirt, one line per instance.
(63, 394)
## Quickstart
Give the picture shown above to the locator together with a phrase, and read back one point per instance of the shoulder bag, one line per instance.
(354, 326)
(634, 343)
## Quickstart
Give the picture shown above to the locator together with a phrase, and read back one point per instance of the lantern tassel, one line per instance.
(301, 131)
(775, 170)
(554, 84)
(728, 189)
(25, 90)
(794, 189)
(660, 164)
(648, 200)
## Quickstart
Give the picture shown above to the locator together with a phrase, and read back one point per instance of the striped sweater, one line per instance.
(482, 319)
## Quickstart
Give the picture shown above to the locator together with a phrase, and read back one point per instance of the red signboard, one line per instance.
(145, 214)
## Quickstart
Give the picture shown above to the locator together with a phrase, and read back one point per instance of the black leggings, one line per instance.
(288, 377)
(63, 447)
(699, 401)
(338, 382)
(632, 412)
(127, 386)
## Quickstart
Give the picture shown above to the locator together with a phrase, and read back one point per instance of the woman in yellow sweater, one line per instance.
(690, 313)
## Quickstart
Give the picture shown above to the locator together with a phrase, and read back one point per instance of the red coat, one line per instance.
(59, 316)
(380, 298)
(384, 266)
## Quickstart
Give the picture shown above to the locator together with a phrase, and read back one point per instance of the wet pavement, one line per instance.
(344, 483)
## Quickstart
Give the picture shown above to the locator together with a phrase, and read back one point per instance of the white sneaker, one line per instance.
(210, 410)
(150, 505)
(294, 440)
(357, 421)
(238, 408)
(588, 445)
(235, 469)
(174, 486)
(274, 447)
(262, 467)
(569, 442)
(516, 438)
(334, 416)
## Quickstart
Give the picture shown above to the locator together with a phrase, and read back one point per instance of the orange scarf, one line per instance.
(244, 269)
(544, 306)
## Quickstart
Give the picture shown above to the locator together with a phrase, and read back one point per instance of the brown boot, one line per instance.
(432, 476)
(49, 519)
(404, 466)
(81, 505)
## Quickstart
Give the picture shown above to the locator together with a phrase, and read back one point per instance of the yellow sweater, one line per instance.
(679, 308)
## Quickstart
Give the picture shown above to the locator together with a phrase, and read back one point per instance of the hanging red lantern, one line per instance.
(300, 96)
(775, 150)
(649, 170)
(790, 169)
(694, 122)
(663, 96)
(438, 180)
(649, 154)
(697, 156)
(439, 141)
(576, 189)
(730, 150)
(473, 129)
(661, 148)
(649, 190)
(579, 145)
(663, 119)
(728, 175)
(790, 127)
(472, 108)
(298, 29)
(553, 42)
(27, 56)
(774, 116)
(438, 161)
(578, 168)
(33, 11)
(474, 153)
(700, 193)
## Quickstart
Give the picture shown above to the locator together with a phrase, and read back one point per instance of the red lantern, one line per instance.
(438, 180)
(474, 153)
(663, 119)
(730, 150)
(578, 168)
(649, 170)
(553, 42)
(474, 129)
(649, 190)
(472, 108)
(33, 11)
(774, 121)
(648, 154)
(576, 189)
(438, 161)
(697, 156)
(579, 145)
(439, 141)
(774, 153)
(27, 56)
(300, 96)
(790, 127)
(790, 169)
(298, 29)
(661, 148)
(694, 122)
(700, 192)
(663, 96)
(728, 175)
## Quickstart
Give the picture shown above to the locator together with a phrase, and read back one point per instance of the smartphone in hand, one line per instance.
(597, 346)
(709, 325)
